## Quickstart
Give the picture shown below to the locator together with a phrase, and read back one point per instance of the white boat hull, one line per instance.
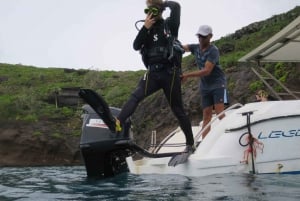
(275, 125)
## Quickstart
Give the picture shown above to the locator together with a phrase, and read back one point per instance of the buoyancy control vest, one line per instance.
(162, 47)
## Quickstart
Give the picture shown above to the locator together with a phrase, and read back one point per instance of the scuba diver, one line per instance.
(155, 42)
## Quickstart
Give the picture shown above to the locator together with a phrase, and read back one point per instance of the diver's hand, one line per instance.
(149, 21)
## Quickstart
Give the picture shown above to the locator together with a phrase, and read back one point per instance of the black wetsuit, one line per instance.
(161, 73)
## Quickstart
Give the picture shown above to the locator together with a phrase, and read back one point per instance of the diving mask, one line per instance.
(155, 11)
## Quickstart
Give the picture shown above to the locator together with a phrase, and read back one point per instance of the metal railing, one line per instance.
(199, 134)
(156, 148)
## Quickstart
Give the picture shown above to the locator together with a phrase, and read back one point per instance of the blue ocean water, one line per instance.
(71, 183)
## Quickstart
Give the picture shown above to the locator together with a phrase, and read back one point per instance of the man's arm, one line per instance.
(200, 73)
(186, 48)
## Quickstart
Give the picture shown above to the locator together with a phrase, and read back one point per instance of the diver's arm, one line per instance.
(174, 19)
(140, 38)
(142, 35)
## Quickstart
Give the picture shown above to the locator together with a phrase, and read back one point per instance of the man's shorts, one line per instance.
(215, 96)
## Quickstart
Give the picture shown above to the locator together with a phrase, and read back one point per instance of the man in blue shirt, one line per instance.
(212, 78)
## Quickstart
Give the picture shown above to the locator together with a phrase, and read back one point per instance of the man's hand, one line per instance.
(183, 77)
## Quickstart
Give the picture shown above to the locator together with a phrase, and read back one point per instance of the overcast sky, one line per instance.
(98, 34)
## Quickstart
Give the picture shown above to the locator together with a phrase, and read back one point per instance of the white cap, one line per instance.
(204, 30)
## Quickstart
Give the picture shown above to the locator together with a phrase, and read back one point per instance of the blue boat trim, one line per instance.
(292, 172)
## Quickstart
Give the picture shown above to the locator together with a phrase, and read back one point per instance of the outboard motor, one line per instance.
(102, 150)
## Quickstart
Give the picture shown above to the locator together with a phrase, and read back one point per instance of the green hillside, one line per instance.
(26, 91)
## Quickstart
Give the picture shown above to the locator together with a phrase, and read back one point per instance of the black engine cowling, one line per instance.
(101, 150)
